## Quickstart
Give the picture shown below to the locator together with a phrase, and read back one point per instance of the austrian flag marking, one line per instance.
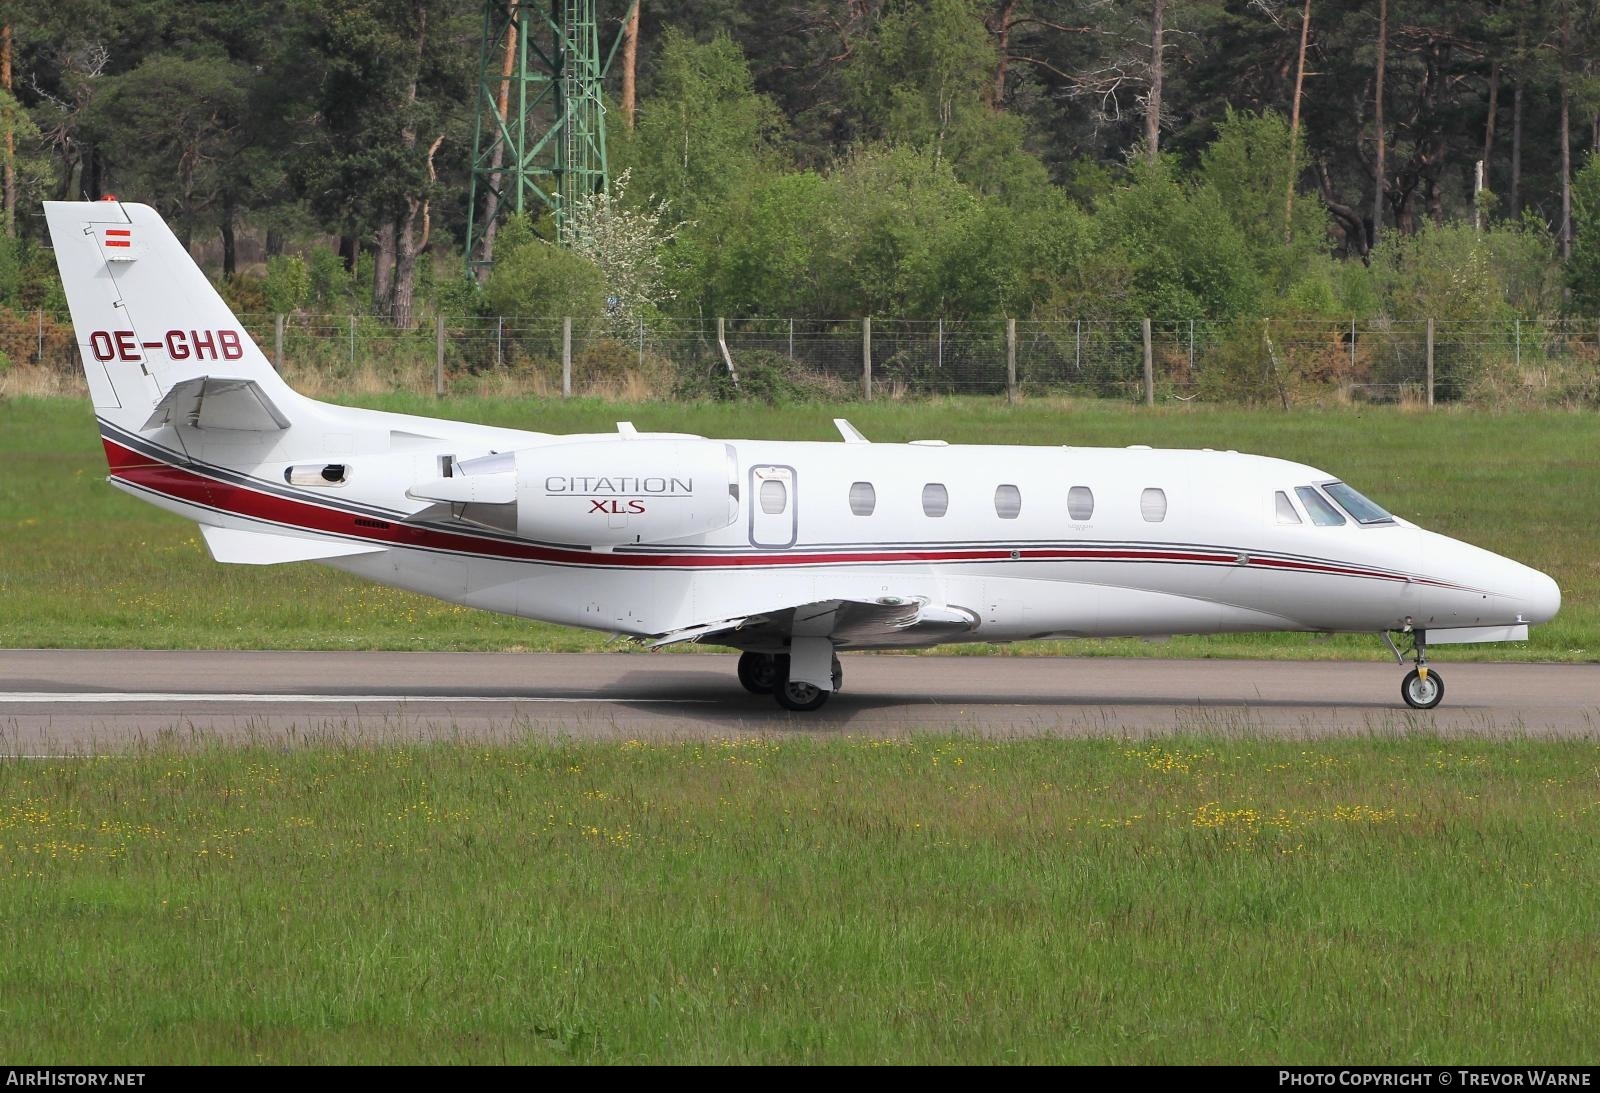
(119, 237)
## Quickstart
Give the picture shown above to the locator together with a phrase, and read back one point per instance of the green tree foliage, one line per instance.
(533, 277)
(11, 266)
(330, 286)
(1247, 166)
(904, 215)
(29, 157)
(362, 62)
(921, 79)
(1453, 272)
(893, 231)
(1187, 258)
(925, 78)
(174, 126)
(704, 139)
(703, 132)
(788, 255)
(943, 158)
(1583, 270)
(288, 283)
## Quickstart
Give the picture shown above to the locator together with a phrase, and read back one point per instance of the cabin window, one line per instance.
(1153, 505)
(1365, 510)
(1007, 502)
(316, 474)
(774, 497)
(1080, 503)
(1286, 513)
(935, 499)
(1323, 514)
(863, 498)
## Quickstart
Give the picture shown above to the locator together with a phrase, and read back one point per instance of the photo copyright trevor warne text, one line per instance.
(1438, 1077)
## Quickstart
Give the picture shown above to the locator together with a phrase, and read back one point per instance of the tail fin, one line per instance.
(155, 337)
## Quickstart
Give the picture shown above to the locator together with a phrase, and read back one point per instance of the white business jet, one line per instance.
(786, 551)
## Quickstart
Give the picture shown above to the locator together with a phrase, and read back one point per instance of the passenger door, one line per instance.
(773, 505)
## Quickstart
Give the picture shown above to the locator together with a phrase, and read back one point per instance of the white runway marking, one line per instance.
(54, 758)
(122, 697)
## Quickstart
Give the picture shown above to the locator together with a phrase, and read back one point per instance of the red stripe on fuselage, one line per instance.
(120, 459)
(183, 484)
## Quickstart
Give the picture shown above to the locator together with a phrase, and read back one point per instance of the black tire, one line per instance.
(838, 675)
(1420, 695)
(800, 697)
(796, 696)
(758, 672)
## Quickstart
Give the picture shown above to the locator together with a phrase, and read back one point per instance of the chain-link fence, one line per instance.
(1267, 361)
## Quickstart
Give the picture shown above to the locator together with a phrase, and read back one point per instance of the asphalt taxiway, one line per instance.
(64, 702)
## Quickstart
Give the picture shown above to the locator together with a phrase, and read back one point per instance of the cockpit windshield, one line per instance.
(1321, 512)
(1363, 509)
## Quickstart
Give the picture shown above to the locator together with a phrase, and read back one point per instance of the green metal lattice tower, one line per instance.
(540, 140)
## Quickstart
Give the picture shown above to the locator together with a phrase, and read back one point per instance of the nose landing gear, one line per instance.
(1422, 688)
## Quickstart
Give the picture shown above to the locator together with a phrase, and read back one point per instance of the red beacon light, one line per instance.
(109, 197)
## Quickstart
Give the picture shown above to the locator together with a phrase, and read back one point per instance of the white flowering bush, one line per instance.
(626, 244)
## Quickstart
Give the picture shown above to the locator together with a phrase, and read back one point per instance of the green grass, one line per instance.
(1392, 899)
(82, 564)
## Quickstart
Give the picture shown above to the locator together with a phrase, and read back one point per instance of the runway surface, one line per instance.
(56, 702)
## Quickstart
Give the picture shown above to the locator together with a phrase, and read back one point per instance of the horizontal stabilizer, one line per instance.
(271, 548)
(218, 402)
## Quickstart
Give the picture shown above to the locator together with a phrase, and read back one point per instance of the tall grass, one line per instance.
(1381, 900)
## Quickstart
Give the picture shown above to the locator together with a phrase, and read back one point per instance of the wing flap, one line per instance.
(884, 622)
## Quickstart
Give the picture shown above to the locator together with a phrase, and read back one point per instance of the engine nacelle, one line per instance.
(597, 493)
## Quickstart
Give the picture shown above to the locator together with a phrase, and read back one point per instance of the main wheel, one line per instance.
(799, 697)
(758, 672)
(794, 695)
(1422, 694)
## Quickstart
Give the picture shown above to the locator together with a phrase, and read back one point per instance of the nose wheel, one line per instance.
(1422, 692)
(1422, 688)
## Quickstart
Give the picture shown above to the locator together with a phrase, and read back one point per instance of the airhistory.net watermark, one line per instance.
(43, 1077)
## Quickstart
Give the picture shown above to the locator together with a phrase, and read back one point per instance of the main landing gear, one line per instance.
(1422, 688)
(768, 674)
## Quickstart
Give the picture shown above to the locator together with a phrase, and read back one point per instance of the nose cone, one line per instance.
(1480, 588)
(1542, 595)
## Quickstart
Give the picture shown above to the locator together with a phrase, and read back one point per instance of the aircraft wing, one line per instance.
(888, 620)
(217, 402)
